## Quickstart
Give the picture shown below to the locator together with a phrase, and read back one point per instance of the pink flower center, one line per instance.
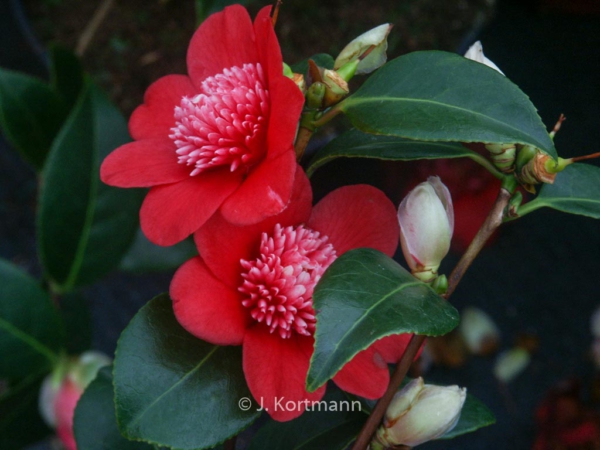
(226, 124)
(279, 284)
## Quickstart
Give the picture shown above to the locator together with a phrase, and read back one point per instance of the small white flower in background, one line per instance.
(426, 218)
(419, 413)
(511, 363)
(377, 58)
(475, 53)
(480, 333)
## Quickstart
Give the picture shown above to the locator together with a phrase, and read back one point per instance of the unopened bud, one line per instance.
(440, 285)
(503, 156)
(287, 71)
(510, 364)
(426, 220)
(479, 331)
(61, 390)
(419, 413)
(475, 53)
(298, 79)
(336, 87)
(376, 38)
(315, 95)
(514, 204)
(539, 169)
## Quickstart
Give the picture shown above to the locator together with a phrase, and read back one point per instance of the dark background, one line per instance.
(541, 275)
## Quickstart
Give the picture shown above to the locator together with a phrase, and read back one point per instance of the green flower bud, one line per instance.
(503, 156)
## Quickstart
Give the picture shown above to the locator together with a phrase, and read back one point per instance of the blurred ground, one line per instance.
(142, 40)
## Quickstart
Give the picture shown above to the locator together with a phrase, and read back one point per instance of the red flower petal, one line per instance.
(172, 212)
(366, 375)
(155, 118)
(286, 99)
(357, 216)
(144, 163)
(64, 409)
(223, 40)
(264, 193)
(206, 307)
(222, 244)
(392, 347)
(276, 370)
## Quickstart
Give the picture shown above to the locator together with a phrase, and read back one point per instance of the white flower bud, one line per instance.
(75, 373)
(475, 53)
(421, 412)
(426, 218)
(377, 37)
(511, 363)
(480, 333)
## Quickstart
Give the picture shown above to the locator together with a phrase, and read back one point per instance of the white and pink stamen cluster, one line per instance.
(226, 124)
(279, 284)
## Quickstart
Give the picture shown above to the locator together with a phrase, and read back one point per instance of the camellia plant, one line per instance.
(279, 295)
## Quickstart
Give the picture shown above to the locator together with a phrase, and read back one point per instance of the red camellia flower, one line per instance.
(253, 286)
(218, 139)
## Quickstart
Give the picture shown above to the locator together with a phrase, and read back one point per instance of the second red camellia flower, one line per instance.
(220, 139)
(253, 286)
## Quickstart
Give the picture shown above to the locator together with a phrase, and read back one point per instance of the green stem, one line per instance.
(527, 208)
(483, 161)
(491, 223)
(326, 117)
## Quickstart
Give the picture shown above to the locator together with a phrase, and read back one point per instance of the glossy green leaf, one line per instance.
(144, 256)
(31, 114)
(66, 74)
(474, 415)
(173, 389)
(355, 144)
(20, 421)
(321, 59)
(85, 227)
(76, 314)
(364, 296)
(439, 96)
(576, 190)
(31, 332)
(95, 422)
(331, 424)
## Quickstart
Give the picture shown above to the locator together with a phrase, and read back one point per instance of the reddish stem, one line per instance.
(492, 221)
(583, 158)
(275, 12)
